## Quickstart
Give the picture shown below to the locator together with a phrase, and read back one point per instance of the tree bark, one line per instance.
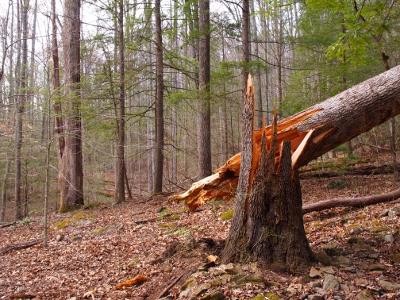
(159, 147)
(59, 122)
(313, 132)
(119, 196)
(71, 171)
(20, 111)
(204, 114)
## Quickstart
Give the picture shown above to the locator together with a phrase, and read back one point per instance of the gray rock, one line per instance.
(355, 230)
(327, 270)
(59, 237)
(389, 238)
(389, 286)
(395, 211)
(342, 261)
(214, 295)
(364, 295)
(332, 282)
(323, 258)
(314, 273)
(376, 267)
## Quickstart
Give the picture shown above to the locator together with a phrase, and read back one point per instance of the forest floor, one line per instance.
(92, 250)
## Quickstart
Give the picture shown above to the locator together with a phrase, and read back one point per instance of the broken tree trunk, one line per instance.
(268, 224)
(312, 132)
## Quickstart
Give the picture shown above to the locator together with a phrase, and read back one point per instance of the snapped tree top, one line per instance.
(312, 132)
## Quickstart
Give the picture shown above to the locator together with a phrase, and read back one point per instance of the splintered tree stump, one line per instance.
(269, 228)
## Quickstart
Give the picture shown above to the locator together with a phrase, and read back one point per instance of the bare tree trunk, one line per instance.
(71, 171)
(257, 75)
(204, 113)
(120, 179)
(159, 145)
(4, 189)
(20, 111)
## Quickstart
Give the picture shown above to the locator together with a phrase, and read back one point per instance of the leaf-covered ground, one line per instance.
(91, 251)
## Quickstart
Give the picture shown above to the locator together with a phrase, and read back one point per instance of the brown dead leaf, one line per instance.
(135, 281)
(212, 258)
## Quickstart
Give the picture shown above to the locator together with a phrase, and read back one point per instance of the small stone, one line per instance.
(364, 295)
(361, 282)
(345, 288)
(167, 268)
(160, 209)
(376, 267)
(332, 282)
(389, 238)
(395, 211)
(189, 283)
(342, 261)
(294, 287)
(327, 270)
(214, 295)
(314, 273)
(332, 248)
(201, 289)
(384, 213)
(355, 230)
(373, 255)
(389, 286)
(59, 237)
(323, 258)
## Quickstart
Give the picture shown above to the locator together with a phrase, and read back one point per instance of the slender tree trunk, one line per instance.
(59, 122)
(257, 75)
(159, 156)
(120, 179)
(4, 189)
(71, 171)
(204, 114)
(20, 112)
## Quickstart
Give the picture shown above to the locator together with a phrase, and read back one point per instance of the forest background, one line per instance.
(301, 52)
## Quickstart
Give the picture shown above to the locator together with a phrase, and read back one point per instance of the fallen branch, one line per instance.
(353, 202)
(170, 286)
(354, 170)
(7, 225)
(19, 246)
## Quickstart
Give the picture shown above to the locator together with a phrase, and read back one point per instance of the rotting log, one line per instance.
(312, 132)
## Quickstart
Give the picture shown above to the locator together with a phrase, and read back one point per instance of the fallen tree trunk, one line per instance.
(312, 132)
(353, 202)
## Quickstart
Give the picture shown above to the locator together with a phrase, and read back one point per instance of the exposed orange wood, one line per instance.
(223, 183)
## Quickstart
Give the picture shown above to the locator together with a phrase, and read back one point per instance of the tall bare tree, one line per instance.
(20, 111)
(120, 180)
(71, 171)
(204, 113)
(159, 147)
